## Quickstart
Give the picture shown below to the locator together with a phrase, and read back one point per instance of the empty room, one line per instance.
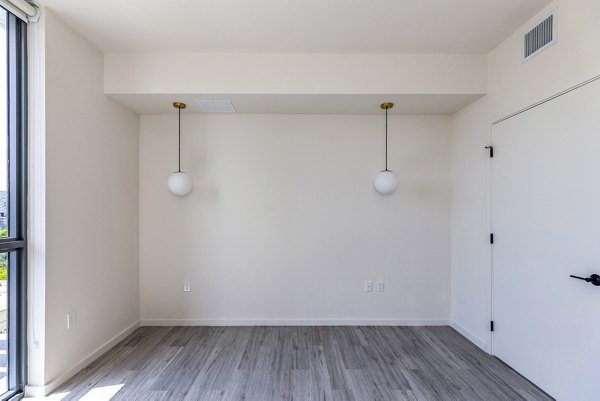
(300, 200)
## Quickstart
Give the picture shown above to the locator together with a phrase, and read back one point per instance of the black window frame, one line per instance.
(16, 243)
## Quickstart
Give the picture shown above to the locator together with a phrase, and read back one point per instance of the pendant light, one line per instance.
(179, 183)
(386, 181)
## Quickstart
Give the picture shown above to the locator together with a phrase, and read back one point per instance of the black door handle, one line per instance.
(594, 279)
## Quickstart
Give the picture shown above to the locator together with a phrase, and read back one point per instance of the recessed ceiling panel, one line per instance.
(216, 105)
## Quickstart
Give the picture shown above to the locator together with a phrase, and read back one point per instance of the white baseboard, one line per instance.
(295, 322)
(470, 336)
(42, 391)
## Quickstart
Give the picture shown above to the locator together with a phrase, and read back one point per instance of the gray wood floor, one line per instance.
(300, 363)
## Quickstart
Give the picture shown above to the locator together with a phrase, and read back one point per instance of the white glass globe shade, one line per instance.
(385, 182)
(180, 184)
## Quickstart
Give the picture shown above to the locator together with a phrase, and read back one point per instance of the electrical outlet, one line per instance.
(71, 320)
(380, 286)
(187, 286)
(369, 286)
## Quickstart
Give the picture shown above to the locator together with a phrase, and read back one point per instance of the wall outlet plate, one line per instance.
(187, 286)
(369, 286)
(380, 286)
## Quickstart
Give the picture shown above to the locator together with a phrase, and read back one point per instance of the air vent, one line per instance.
(538, 39)
(216, 106)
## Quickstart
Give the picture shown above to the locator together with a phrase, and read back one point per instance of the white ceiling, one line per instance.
(302, 104)
(296, 26)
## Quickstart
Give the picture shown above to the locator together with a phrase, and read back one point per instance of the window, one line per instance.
(13, 136)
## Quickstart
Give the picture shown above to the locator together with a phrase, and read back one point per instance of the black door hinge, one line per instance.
(491, 148)
(491, 238)
(492, 325)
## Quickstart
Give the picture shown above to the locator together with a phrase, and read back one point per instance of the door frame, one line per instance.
(489, 275)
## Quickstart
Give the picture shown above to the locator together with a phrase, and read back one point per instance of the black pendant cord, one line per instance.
(386, 140)
(179, 140)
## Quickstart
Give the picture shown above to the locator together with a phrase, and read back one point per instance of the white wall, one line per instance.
(283, 223)
(85, 191)
(511, 86)
(247, 73)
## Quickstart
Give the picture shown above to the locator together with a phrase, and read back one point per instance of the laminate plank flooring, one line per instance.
(299, 364)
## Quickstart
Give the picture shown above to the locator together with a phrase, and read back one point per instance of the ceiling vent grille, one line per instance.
(216, 106)
(538, 39)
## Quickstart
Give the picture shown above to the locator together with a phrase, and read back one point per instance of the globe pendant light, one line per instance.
(179, 183)
(386, 181)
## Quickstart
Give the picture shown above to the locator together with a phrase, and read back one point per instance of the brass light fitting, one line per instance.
(179, 183)
(386, 181)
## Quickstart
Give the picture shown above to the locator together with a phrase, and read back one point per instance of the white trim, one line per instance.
(24, 6)
(546, 100)
(42, 391)
(490, 188)
(489, 265)
(27, 11)
(36, 206)
(470, 336)
(11, 8)
(295, 322)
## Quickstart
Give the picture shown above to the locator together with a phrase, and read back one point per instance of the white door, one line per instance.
(546, 225)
